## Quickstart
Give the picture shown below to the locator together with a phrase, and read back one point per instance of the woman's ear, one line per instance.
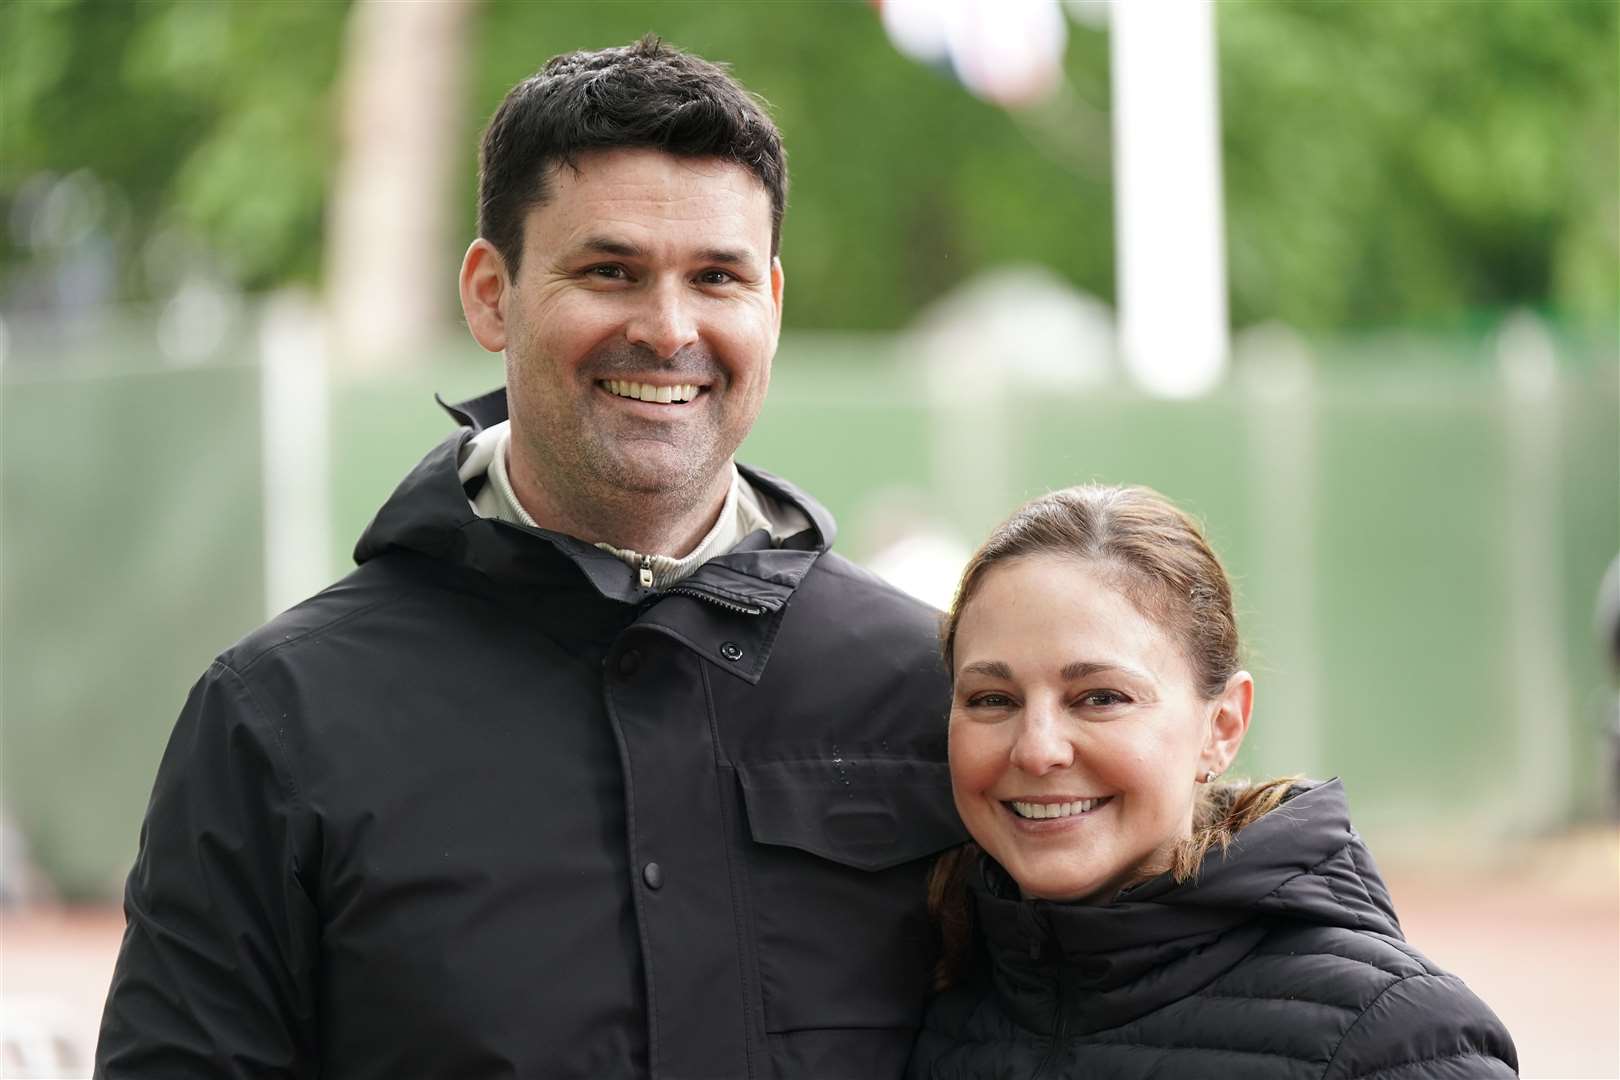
(484, 290)
(1228, 724)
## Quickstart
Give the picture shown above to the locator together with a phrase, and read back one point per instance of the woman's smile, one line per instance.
(1046, 814)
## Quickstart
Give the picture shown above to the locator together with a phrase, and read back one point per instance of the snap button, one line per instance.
(629, 660)
(731, 651)
(653, 875)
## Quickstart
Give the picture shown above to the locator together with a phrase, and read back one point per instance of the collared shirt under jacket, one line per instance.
(486, 808)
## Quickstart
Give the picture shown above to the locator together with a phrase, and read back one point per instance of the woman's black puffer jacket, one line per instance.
(1280, 961)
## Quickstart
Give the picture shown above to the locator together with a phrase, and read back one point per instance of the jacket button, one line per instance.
(629, 660)
(653, 875)
(731, 651)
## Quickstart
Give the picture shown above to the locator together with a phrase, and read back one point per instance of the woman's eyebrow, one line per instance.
(1080, 669)
(995, 669)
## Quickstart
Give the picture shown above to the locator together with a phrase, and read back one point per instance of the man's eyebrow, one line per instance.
(607, 245)
(624, 249)
(995, 669)
(724, 256)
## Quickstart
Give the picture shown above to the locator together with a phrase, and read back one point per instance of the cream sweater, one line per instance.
(745, 510)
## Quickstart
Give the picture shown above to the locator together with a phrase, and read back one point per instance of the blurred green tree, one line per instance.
(208, 117)
(1421, 162)
(1385, 163)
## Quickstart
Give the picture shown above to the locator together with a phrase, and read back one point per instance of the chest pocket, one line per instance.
(837, 875)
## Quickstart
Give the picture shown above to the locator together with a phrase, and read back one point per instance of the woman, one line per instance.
(1123, 913)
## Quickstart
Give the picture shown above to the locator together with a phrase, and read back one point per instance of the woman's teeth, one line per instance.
(1053, 810)
(664, 395)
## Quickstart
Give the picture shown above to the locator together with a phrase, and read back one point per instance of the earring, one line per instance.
(1209, 776)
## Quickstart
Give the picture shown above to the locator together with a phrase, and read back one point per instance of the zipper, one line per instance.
(645, 577)
(1059, 1030)
(701, 594)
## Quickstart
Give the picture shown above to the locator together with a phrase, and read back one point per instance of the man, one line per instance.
(600, 764)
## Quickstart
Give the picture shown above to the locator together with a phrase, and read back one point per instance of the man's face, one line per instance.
(641, 325)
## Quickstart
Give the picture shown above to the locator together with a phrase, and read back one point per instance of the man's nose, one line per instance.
(663, 321)
(1043, 742)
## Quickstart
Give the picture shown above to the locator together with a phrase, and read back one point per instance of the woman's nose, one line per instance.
(1042, 743)
(663, 321)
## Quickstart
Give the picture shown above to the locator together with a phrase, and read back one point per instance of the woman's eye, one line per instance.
(1099, 699)
(989, 701)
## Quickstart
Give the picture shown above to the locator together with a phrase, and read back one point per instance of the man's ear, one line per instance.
(778, 282)
(1228, 724)
(485, 287)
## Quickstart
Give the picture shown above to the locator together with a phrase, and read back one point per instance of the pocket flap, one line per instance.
(868, 813)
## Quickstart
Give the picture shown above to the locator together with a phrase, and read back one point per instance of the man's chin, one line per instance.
(654, 477)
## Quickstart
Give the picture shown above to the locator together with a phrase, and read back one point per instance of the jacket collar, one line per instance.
(490, 408)
(1107, 964)
(736, 599)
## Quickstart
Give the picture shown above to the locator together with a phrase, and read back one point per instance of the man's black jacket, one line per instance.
(486, 808)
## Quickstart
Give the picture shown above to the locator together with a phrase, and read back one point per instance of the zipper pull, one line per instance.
(646, 572)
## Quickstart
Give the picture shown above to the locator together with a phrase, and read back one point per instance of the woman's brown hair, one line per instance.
(1158, 558)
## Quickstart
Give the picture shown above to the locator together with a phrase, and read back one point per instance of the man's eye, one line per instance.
(609, 273)
(716, 277)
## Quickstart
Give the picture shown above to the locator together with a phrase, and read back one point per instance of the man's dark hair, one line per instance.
(646, 95)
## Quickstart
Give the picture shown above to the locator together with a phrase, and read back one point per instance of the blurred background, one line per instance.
(1341, 278)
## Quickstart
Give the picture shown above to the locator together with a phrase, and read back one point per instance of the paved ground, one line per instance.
(1538, 937)
(54, 969)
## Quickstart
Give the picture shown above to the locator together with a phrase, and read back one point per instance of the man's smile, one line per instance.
(674, 394)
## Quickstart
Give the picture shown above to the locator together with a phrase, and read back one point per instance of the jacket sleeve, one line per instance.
(1427, 1026)
(215, 977)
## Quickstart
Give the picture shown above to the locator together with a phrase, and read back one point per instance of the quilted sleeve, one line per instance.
(1426, 1026)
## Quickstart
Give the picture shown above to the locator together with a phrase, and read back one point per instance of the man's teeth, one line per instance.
(1052, 810)
(664, 395)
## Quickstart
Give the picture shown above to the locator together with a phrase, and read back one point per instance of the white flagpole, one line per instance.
(1168, 211)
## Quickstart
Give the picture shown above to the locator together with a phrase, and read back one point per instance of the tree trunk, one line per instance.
(390, 280)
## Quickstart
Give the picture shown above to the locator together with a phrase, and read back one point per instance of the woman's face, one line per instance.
(1077, 731)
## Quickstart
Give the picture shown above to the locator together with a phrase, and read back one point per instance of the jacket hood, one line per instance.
(429, 513)
(1303, 862)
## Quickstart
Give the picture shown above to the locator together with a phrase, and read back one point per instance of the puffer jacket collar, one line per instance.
(429, 514)
(1161, 941)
